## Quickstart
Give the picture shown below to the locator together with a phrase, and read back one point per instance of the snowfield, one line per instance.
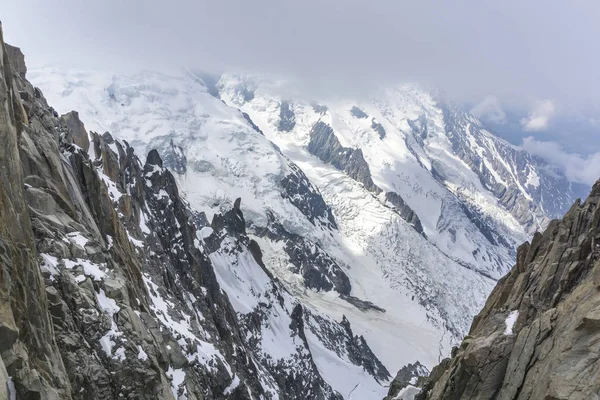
(476, 196)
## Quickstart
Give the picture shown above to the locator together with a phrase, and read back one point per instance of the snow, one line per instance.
(89, 268)
(107, 343)
(408, 393)
(78, 239)
(110, 307)
(142, 355)
(205, 232)
(135, 242)
(425, 284)
(510, 321)
(49, 265)
(114, 193)
(109, 241)
(178, 377)
(120, 354)
(107, 304)
(143, 224)
(206, 352)
(533, 179)
(12, 391)
(234, 384)
(247, 286)
(348, 379)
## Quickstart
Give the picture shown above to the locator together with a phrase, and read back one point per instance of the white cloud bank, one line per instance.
(490, 110)
(578, 168)
(539, 117)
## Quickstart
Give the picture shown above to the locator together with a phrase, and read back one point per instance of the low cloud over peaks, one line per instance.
(489, 110)
(539, 117)
(578, 168)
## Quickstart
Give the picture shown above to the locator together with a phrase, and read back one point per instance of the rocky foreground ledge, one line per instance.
(538, 336)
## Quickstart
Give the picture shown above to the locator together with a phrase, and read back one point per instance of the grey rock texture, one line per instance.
(108, 291)
(551, 348)
(17, 60)
(306, 197)
(327, 147)
(30, 354)
(404, 210)
(377, 127)
(358, 113)
(252, 124)
(319, 270)
(287, 117)
(75, 130)
(174, 158)
(408, 375)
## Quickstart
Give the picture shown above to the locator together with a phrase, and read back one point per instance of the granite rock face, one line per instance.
(538, 335)
(30, 355)
(75, 130)
(17, 60)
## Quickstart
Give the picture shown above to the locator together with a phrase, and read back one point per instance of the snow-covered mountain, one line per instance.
(393, 214)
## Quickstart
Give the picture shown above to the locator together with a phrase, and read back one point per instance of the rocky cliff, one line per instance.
(111, 286)
(538, 336)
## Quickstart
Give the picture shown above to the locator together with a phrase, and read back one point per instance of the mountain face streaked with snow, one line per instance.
(370, 231)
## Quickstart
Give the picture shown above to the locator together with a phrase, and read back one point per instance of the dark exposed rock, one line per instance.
(404, 210)
(319, 109)
(306, 197)
(174, 158)
(30, 354)
(363, 305)
(287, 117)
(17, 60)
(408, 375)
(75, 130)
(419, 127)
(536, 337)
(358, 113)
(252, 124)
(339, 338)
(377, 127)
(549, 194)
(319, 270)
(327, 147)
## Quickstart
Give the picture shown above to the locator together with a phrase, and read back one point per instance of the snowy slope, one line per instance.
(340, 247)
(476, 196)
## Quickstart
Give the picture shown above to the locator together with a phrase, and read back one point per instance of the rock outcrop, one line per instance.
(109, 281)
(287, 117)
(538, 335)
(325, 145)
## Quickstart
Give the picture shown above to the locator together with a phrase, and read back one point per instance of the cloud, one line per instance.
(490, 110)
(539, 117)
(516, 50)
(578, 168)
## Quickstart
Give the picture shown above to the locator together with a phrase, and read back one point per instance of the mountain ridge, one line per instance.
(125, 280)
(259, 265)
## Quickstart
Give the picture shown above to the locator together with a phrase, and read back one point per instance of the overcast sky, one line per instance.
(537, 60)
